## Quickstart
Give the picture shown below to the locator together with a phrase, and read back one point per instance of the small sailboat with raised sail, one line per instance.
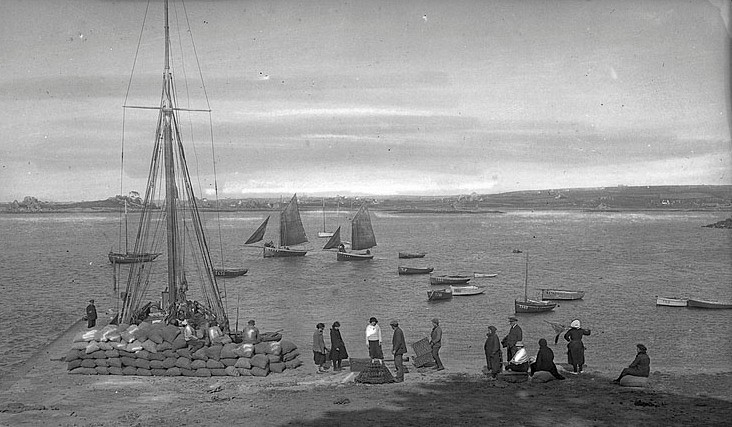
(291, 233)
(325, 233)
(362, 238)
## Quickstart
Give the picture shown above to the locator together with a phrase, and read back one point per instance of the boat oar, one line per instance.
(558, 329)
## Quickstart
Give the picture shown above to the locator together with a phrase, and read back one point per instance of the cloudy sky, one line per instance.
(369, 97)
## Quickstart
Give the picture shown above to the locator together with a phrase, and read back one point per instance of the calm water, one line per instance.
(52, 264)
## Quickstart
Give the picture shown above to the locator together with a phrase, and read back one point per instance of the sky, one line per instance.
(367, 97)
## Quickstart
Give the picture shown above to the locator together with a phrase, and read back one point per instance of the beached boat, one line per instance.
(189, 266)
(671, 301)
(561, 294)
(700, 303)
(467, 290)
(439, 294)
(478, 274)
(527, 305)
(449, 280)
(362, 237)
(325, 233)
(415, 270)
(291, 233)
(409, 255)
(230, 272)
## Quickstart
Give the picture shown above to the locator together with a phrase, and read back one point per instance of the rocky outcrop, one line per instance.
(727, 223)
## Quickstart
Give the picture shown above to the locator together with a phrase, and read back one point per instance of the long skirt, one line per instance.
(375, 350)
(576, 353)
(494, 363)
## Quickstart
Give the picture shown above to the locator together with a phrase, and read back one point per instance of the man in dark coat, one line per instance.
(641, 366)
(492, 349)
(545, 361)
(398, 348)
(515, 334)
(91, 314)
(436, 343)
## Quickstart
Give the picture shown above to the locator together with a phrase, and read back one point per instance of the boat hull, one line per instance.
(449, 280)
(478, 274)
(698, 303)
(131, 258)
(439, 294)
(671, 302)
(531, 306)
(324, 234)
(407, 255)
(415, 270)
(270, 252)
(467, 290)
(352, 256)
(230, 272)
(561, 294)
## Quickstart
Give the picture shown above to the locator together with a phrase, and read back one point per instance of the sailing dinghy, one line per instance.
(292, 233)
(528, 305)
(362, 237)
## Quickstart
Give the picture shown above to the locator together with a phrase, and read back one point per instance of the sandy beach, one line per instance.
(42, 392)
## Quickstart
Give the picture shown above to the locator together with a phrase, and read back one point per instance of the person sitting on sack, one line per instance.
(640, 367)
(545, 361)
(520, 360)
(250, 334)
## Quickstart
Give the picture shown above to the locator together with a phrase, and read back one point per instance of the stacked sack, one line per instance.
(158, 349)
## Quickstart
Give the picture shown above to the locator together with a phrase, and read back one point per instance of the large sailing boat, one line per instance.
(292, 233)
(362, 237)
(189, 263)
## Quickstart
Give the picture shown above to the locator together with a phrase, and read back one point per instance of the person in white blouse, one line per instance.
(373, 339)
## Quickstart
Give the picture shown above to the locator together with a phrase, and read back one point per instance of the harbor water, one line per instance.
(52, 264)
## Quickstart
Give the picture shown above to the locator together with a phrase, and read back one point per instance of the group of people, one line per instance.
(519, 361)
(337, 352)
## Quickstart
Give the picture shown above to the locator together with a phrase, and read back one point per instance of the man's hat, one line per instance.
(394, 323)
(512, 319)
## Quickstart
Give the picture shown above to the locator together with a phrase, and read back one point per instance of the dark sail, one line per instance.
(334, 240)
(258, 234)
(362, 234)
(292, 231)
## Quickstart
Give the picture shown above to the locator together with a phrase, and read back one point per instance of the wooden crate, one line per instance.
(424, 360)
(422, 347)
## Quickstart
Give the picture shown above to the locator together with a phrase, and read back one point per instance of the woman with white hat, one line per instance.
(575, 348)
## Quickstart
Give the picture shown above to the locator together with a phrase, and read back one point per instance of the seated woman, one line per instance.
(641, 366)
(520, 360)
(545, 361)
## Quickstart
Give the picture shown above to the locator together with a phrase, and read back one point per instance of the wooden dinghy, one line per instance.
(449, 280)
(561, 294)
(415, 270)
(700, 303)
(407, 255)
(671, 301)
(467, 290)
(439, 294)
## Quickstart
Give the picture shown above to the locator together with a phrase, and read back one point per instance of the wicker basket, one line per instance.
(422, 347)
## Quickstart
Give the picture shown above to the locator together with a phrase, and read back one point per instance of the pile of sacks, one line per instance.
(158, 349)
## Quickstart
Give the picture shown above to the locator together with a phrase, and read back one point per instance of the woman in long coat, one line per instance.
(492, 348)
(575, 348)
(545, 361)
(337, 347)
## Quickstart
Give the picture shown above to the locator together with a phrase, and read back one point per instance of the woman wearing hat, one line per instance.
(575, 347)
(373, 339)
(492, 348)
(337, 346)
(641, 366)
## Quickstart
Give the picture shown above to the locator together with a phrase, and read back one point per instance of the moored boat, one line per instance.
(700, 303)
(291, 233)
(230, 272)
(671, 301)
(467, 290)
(532, 306)
(415, 270)
(449, 280)
(407, 255)
(362, 237)
(131, 257)
(478, 274)
(561, 294)
(439, 294)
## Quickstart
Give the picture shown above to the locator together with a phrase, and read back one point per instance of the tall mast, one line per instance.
(171, 193)
(526, 279)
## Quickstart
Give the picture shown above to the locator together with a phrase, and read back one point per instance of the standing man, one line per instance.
(398, 348)
(436, 343)
(91, 314)
(492, 350)
(515, 334)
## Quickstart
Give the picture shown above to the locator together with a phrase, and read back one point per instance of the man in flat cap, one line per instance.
(91, 314)
(515, 334)
(436, 343)
(398, 348)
